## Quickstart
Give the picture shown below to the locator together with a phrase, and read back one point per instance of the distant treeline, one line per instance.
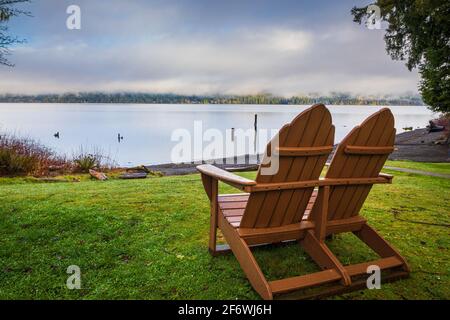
(92, 97)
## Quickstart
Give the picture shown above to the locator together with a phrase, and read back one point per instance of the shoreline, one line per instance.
(223, 104)
(417, 145)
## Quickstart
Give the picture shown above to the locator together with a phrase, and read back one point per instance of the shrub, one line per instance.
(24, 156)
(85, 160)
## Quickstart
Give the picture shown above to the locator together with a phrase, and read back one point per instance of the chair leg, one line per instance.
(213, 218)
(246, 259)
(212, 248)
(323, 256)
(213, 237)
(374, 240)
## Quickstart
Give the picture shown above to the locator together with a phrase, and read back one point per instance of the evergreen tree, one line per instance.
(7, 11)
(419, 33)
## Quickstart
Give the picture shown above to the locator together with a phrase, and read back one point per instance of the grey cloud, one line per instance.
(170, 46)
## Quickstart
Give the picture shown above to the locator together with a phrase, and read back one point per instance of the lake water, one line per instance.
(149, 131)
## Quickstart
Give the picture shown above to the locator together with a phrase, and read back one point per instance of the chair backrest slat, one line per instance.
(361, 154)
(304, 146)
(303, 152)
(363, 150)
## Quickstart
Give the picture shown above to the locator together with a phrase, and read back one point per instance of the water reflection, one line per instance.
(148, 128)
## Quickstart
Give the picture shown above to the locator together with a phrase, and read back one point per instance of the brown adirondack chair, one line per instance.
(355, 167)
(284, 206)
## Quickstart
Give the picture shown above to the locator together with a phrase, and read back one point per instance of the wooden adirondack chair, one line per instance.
(284, 206)
(355, 167)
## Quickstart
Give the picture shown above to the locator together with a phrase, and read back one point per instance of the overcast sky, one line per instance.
(202, 47)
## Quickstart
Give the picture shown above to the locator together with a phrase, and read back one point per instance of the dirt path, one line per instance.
(424, 173)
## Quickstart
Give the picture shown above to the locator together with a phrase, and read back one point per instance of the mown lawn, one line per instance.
(147, 239)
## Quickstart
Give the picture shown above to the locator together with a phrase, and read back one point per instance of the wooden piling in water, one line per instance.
(255, 138)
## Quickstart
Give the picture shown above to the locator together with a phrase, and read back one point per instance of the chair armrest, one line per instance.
(388, 177)
(225, 176)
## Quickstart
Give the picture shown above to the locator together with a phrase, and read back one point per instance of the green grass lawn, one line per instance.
(148, 239)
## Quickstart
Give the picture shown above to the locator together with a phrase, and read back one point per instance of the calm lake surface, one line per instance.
(151, 132)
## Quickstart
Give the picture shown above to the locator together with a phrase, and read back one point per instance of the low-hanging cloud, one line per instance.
(270, 56)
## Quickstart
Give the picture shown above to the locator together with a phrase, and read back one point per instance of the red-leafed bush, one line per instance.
(24, 156)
